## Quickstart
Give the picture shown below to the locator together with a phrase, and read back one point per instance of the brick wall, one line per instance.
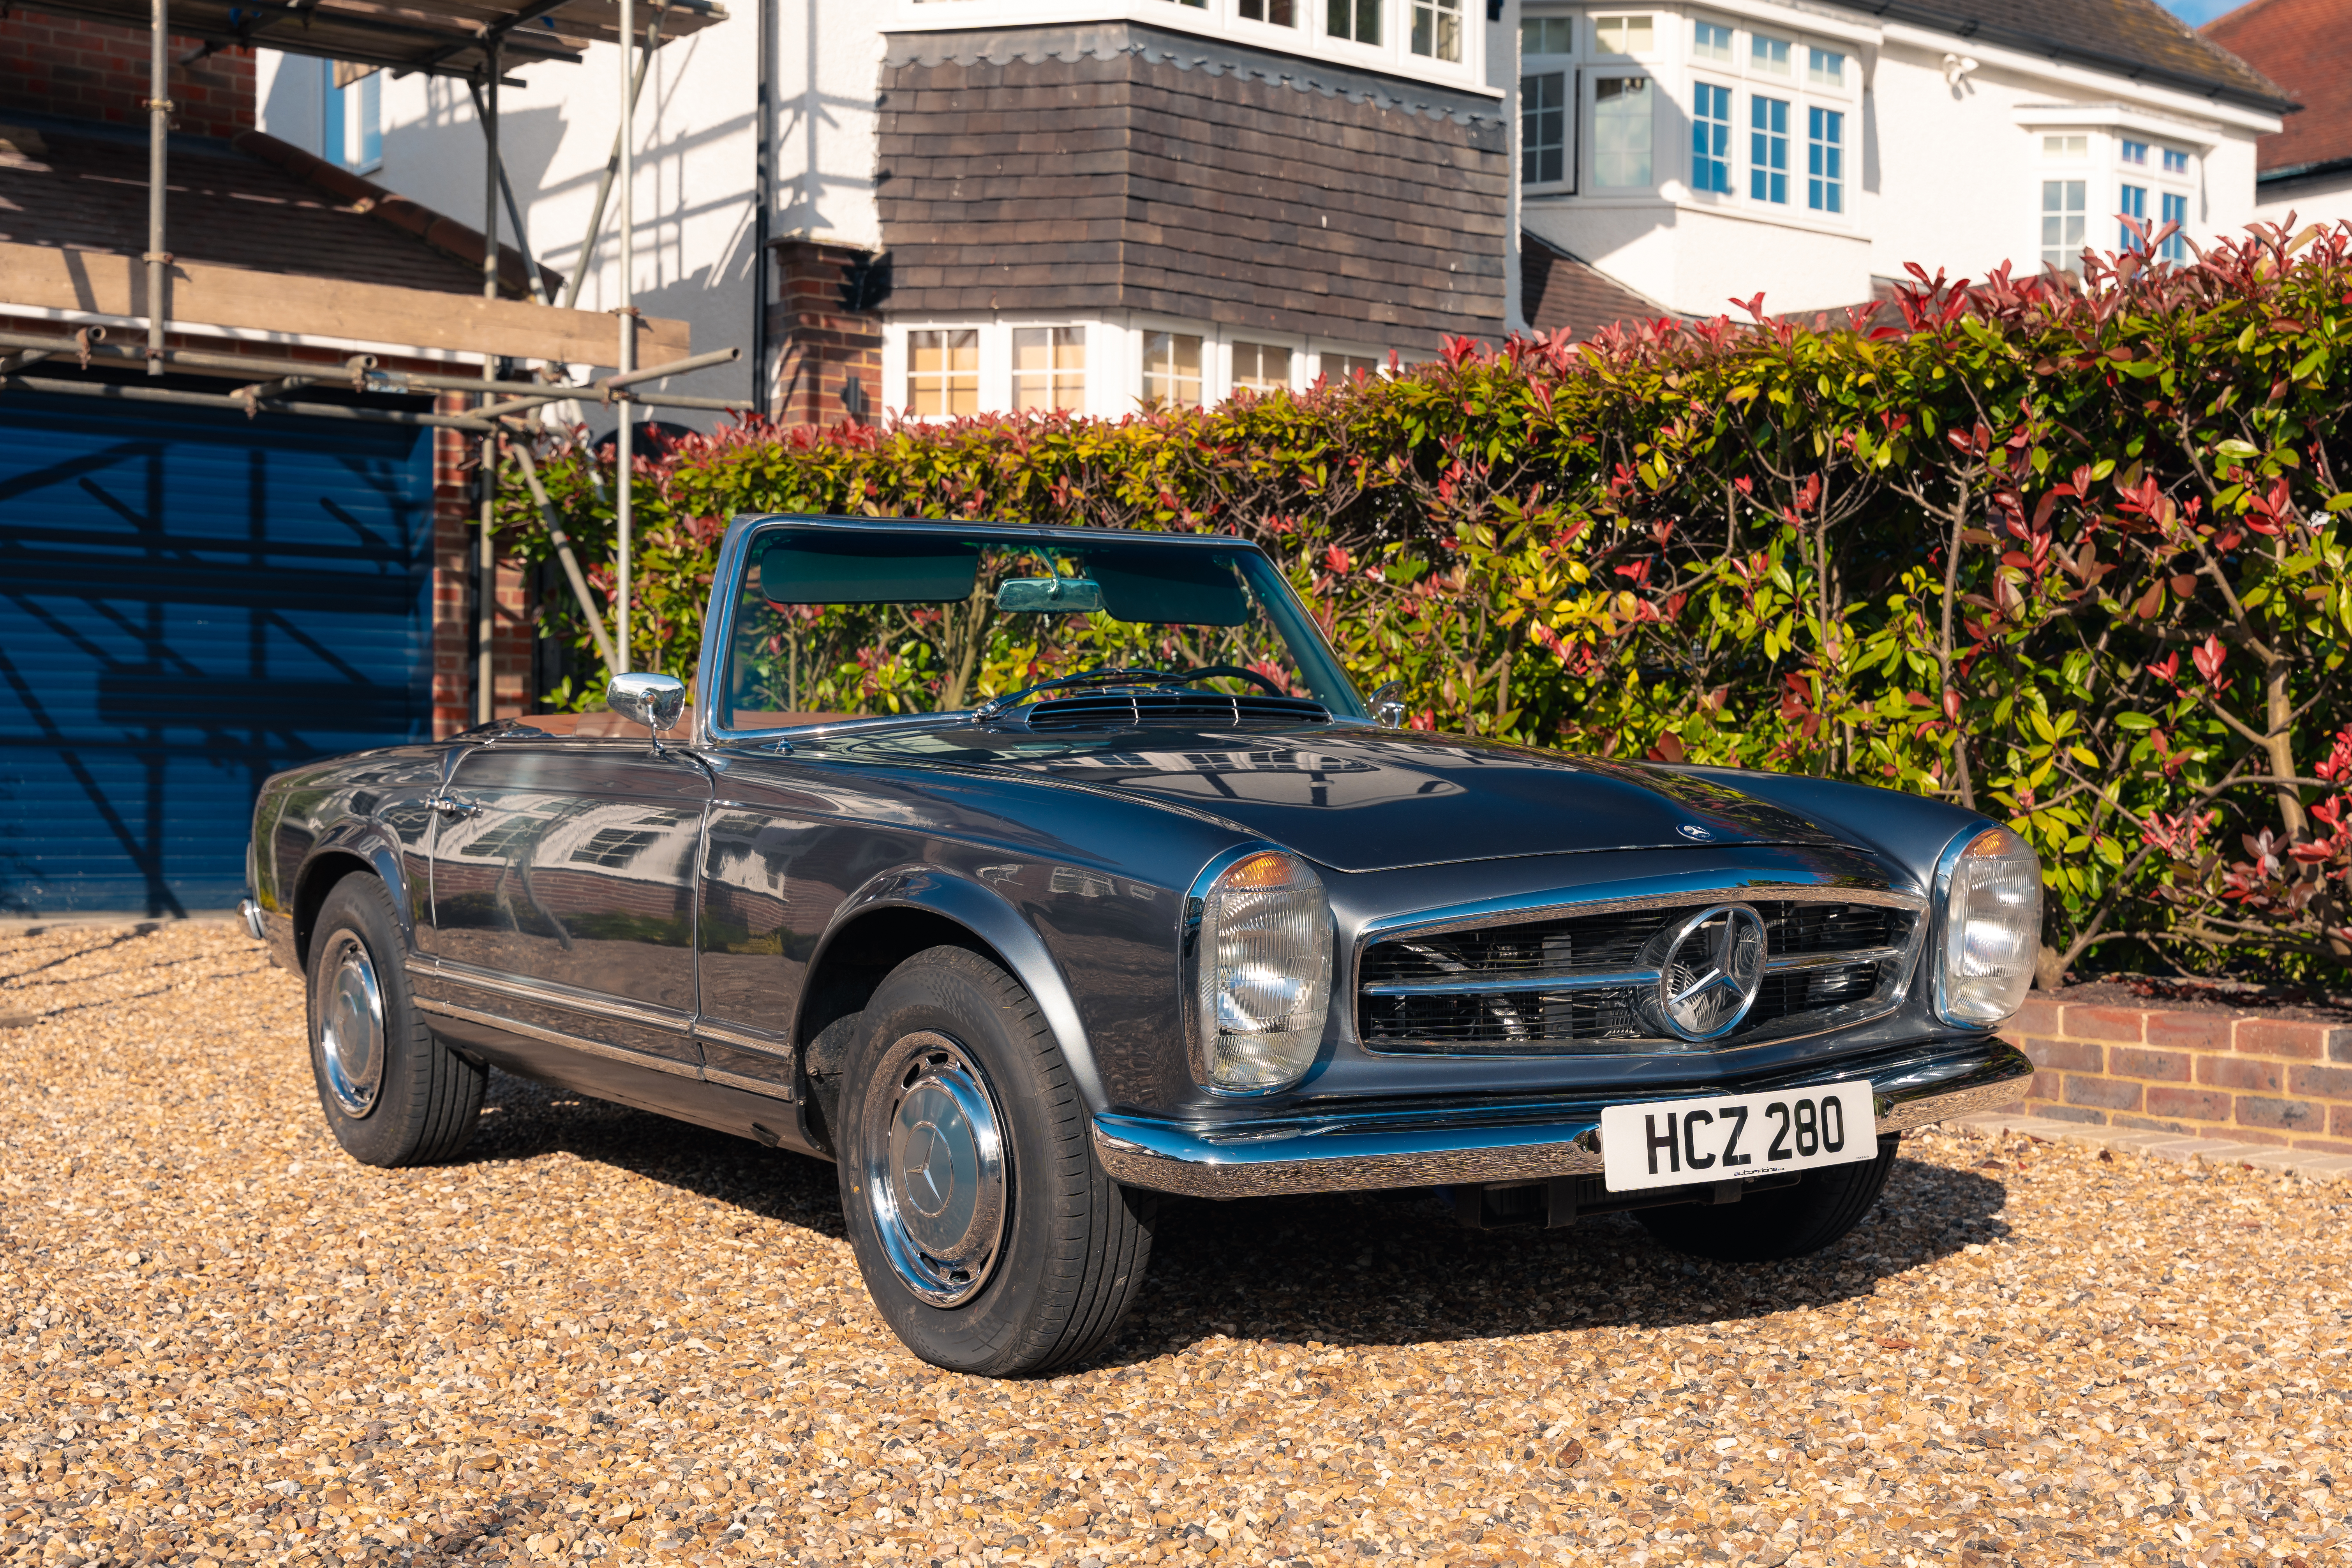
(2240, 1076)
(456, 539)
(95, 70)
(828, 357)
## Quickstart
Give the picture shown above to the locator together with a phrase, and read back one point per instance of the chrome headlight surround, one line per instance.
(1257, 944)
(1988, 927)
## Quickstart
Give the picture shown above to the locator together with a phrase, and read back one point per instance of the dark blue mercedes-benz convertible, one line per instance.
(1027, 874)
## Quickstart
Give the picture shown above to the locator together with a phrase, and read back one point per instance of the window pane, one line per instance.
(1049, 367)
(2176, 245)
(1620, 131)
(1261, 367)
(1356, 19)
(1768, 150)
(1711, 137)
(1547, 34)
(1622, 35)
(2063, 209)
(1769, 55)
(943, 372)
(2135, 152)
(1171, 370)
(1710, 41)
(2133, 202)
(1350, 367)
(1543, 129)
(2175, 162)
(1437, 29)
(1824, 67)
(2065, 146)
(1824, 160)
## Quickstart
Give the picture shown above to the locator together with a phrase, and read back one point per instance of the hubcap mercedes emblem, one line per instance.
(1710, 970)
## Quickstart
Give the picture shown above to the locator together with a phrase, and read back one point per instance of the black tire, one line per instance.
(1785, 1222)
(396, 1096)
(1047, 1286)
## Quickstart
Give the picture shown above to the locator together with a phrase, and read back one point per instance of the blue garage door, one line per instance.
(190, 600)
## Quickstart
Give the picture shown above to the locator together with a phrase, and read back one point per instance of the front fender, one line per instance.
(985, 913)
(372, 844)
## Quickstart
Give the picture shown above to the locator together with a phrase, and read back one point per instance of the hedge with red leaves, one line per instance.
(2069, 554)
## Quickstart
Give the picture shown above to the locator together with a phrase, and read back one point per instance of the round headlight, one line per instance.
(1990, 888)
(1261, 956)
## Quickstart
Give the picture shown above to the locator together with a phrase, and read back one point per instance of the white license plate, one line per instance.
(1731, 1137)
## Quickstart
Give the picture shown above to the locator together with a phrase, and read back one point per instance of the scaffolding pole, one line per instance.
(625, 456)
(486, 561)
(158, 130)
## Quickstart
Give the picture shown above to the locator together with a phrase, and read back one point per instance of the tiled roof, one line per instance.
(2306, 45)
(84, 187)
(1561, 293)
(2138, 37)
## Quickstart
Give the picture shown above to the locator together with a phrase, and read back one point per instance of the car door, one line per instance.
(563, 894)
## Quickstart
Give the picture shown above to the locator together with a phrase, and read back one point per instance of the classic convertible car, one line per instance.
(1029, 874)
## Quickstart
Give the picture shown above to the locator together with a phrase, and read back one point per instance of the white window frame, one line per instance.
(1563, 66)
(1591, 129)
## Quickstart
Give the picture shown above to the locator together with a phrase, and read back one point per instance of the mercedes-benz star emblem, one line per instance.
(1692, 830)
(1714, 964)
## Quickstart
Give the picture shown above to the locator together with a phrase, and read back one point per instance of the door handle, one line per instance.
(453, 806)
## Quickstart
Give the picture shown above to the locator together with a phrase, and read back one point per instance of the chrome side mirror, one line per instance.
(656, 701)
(1388, 705)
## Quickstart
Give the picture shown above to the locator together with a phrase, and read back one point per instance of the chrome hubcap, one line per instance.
(351, 1025)
(934, 1169)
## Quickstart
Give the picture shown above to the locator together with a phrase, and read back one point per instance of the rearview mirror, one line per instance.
(1050, 597)
(656, 701)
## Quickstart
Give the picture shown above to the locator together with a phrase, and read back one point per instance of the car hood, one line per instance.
(1371, 800)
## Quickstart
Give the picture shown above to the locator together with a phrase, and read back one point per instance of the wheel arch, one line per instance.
(900, 913)
(329, 864)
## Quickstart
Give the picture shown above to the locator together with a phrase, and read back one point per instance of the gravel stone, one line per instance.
(606, 1337)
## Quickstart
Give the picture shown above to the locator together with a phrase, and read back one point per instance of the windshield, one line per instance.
(835, 624)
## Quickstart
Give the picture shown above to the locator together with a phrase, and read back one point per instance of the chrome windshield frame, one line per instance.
(1289, 618)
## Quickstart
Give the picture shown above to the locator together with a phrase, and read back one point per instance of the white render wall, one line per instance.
(2326, 201)
(696, 161)
(1945, 173)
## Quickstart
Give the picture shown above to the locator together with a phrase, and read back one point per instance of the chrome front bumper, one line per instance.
(1458, 1142)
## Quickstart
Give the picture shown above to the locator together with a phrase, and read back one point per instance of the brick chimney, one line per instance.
(96, 70)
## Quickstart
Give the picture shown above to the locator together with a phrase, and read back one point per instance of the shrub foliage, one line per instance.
(2070, 554)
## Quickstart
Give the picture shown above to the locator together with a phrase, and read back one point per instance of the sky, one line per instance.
(2197, 12)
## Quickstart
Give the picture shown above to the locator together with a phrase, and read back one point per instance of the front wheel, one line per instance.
(988, 1236)
(1819, 1210)
(393, 1095)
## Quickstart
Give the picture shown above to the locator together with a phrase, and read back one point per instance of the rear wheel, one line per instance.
(987, 1234)
(393, 1095)
(1821, 1209)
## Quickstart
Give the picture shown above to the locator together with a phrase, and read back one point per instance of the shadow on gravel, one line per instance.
(521, 1120)
(1395, 1268)
(1358, 1269)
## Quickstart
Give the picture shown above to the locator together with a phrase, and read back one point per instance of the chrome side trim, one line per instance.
(751, 1085)
(1476, 1141)
(552, 994)
(558, 1037)
(726, 1035)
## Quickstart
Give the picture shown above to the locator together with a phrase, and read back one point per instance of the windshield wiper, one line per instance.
(1111, 676)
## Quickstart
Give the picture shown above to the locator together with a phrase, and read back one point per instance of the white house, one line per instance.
(978, 204)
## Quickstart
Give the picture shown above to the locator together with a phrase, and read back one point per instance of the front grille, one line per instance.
(1577, 983)
(1125, 710)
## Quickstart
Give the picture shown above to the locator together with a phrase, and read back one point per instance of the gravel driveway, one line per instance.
(605, 1334)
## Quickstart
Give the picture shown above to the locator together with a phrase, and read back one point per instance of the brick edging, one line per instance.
(2240, 1076)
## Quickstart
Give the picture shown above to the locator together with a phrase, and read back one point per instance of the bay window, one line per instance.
(1824, 160)
(1768, 150)
(1437, 29)
(943, 372)
(1049, 367)
(1543, 129)
(1711, 137)
(2063, 210)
